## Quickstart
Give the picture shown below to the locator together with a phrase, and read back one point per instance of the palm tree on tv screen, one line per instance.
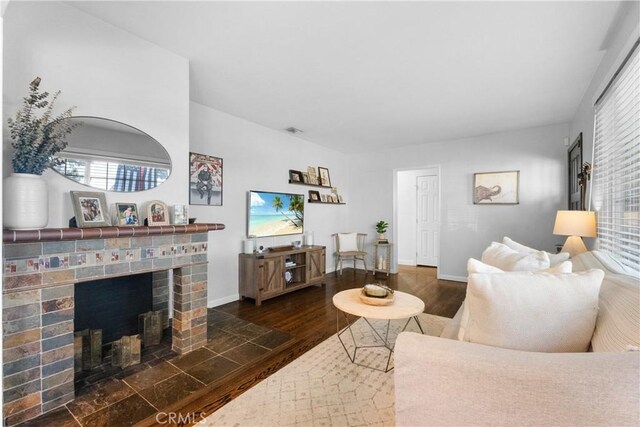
(296, 206)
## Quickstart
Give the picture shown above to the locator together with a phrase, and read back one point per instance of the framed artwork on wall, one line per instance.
(90, 209)
(205, 180)
(496, 188)
(324, 177)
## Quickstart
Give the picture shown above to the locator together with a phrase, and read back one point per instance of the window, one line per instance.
(616, 170)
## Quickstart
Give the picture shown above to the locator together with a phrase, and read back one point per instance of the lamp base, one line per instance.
(574, 245)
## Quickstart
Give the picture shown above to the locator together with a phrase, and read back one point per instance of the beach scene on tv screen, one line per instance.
(275, 214)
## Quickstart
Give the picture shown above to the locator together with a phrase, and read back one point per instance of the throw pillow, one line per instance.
(505, 258)
(532, 311)
(553, 258)
(475, 266)
(348, 242)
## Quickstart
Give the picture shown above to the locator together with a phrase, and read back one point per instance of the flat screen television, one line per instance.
(275, 214)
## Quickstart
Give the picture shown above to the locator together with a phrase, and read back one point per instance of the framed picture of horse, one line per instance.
(205, 180)
(496, 188)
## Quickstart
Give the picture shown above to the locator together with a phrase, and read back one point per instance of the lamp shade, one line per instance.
(575, 223)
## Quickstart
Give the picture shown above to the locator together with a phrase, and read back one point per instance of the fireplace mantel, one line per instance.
(60, 234)
(40, 270)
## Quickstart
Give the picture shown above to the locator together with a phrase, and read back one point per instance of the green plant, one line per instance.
(381, 226)
(37, 138)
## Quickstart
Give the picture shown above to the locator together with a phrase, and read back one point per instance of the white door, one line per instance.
(428, 220)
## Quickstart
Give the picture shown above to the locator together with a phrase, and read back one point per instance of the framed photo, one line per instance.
(313, 175)
(180, 214)
(90, 209)
(295, 176)
(496, 188)
(340, 198)
(324, 176)
(314, 195)
(323, 197)
(127, 214)
(205, 180)
(305, 177)
(330, 198)
(157, 213)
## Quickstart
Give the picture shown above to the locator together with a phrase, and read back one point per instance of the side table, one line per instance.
(382, 262)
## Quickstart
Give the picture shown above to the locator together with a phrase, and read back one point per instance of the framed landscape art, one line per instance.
(496, 188)
(205, 180)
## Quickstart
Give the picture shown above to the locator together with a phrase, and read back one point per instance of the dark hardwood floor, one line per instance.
(310, 317)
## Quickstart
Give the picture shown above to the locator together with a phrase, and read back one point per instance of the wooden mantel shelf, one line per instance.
(58, 234)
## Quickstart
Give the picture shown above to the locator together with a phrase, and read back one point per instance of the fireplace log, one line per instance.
(150, 325)
(126, 351)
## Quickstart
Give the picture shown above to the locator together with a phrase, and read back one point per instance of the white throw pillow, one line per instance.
(475, 266)
(505, 258)
(348, 242)
(532, 311)
(518, 247)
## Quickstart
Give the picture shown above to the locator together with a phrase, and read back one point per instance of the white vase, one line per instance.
(25, 202)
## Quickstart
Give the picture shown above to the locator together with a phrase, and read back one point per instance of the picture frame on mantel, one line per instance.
(496, 188)
(90, 209)
(157, 213)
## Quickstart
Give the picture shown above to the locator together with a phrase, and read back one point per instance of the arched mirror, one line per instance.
(112, 156)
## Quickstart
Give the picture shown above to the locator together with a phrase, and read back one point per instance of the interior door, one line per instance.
(428, 220)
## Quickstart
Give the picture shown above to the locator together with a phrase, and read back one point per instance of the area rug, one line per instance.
(323, 388)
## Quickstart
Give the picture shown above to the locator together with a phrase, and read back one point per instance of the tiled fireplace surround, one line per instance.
(40, 269)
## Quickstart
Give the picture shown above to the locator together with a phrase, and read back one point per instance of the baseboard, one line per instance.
(222, 301)
(452, 278)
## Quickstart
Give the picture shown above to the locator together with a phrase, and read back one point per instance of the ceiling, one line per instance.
(358, 76)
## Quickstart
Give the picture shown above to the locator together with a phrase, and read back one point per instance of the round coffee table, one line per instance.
(404, 306)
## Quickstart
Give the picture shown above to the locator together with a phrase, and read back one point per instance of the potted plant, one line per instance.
(381, 228)
(37, 137)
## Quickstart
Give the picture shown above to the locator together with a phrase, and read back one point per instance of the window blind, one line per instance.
(616, 169)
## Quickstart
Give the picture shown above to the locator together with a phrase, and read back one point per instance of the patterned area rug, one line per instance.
(323, 387)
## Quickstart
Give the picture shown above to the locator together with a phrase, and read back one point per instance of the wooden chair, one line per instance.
(356, 253)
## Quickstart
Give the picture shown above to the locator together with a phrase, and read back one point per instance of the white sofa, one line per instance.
(442, 381)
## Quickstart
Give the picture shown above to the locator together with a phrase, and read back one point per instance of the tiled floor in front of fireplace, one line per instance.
(118, 397)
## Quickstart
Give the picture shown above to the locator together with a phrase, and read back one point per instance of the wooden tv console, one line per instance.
(267, 275)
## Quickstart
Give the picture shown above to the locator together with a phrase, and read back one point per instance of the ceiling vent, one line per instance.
(293, 130)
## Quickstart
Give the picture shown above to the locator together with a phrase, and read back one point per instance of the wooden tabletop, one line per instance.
(403, 307)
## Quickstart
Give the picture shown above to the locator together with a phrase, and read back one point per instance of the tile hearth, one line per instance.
(109, 396)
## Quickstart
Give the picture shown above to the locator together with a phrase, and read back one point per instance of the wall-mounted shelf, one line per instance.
(325, 203)
(308, 184)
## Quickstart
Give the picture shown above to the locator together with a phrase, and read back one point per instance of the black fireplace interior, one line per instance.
(113, 305)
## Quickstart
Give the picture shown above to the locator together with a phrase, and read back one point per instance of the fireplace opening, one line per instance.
(113, 305)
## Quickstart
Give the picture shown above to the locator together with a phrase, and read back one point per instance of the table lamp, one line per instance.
(576, 225)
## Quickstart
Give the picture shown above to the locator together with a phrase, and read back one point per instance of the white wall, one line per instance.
(466, 229)
(618, 44)
(258, 158)
(105, 72)
(406, 213)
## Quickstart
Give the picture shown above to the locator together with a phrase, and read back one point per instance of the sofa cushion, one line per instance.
(618, 323)
(518, 247)
(505, 258)
(532, 311)
(475, 266)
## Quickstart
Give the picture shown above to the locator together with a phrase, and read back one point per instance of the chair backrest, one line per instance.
(360, 240)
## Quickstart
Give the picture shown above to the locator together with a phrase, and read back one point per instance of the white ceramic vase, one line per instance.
(25, 202)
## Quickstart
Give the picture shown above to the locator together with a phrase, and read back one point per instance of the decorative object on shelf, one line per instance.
(314, 195)
(248, 246)
(496, 188)
(297, 244)
(157, 213)
(308, 238)
(324, 176)
(583, 178)
(90, 209)
(381, 228)
(295, 176)
(575, 224)
(305, 177)
(323, 197)
(205, 180)
(340, 198)
(127, 214)
(313, 175)
(180, 214)
(36, 140)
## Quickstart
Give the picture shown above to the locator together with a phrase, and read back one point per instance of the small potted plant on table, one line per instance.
(381, 228)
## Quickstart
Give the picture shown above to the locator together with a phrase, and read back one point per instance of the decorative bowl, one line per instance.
(387, 300)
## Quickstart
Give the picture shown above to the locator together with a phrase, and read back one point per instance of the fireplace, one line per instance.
(41, 270)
